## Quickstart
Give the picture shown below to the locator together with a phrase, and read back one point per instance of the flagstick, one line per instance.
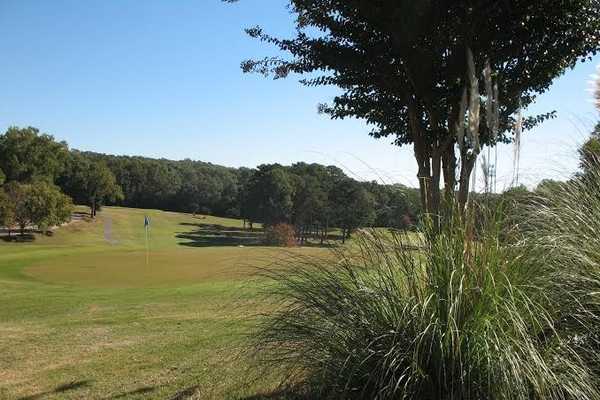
(147, 246)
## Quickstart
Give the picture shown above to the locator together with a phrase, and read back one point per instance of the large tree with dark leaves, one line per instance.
(402, 66)
(27, 156)
(269, 197)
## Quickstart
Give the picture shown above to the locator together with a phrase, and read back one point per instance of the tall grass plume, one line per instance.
(443, 315)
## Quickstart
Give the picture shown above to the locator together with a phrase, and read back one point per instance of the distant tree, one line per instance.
(17, 194)
(7, 211)
(40, 203)
(243, 177)
(317, 191)
(90, 182)
(270, 194)
(100, 186)
(309, 203)
(395, 206)
(353, 206)
(403, 67)
(46, 206)
(26, 155)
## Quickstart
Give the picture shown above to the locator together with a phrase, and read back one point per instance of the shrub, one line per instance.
(280, 235)
(459, 319)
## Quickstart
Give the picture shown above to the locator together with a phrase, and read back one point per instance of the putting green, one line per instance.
(183, 250)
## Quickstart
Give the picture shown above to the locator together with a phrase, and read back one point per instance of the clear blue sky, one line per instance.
(162, 79)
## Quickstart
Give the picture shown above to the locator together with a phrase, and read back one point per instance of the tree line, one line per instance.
(311, 197)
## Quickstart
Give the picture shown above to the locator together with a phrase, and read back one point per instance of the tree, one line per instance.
(7, 211)
(40, 203)
(100, 186)
(17, 195)
(411, 68)
(90, 182)
(26, 155)
(45, 206)
(353, 206)
(308, 204)
(395, 206)
(2, 177)
(270, 193)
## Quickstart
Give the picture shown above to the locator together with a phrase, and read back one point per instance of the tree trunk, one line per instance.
(422, 155)
(449, 170)
(466, 167)
(93, 209)
(436, 169)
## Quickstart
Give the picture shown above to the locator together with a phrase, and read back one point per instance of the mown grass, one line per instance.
(83, 316)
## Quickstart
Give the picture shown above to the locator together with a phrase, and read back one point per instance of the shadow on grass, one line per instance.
(67, 387)
(15, 236)
(214, 235)
(186, 393)
(283, 394)
(80, 216)
(209, 235)
(138, 391)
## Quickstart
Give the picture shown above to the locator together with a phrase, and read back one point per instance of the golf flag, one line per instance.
(146, 227)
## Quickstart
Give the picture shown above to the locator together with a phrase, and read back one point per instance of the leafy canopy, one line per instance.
(401, 65)
(26, 155)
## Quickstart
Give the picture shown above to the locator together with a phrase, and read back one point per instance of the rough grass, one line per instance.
(84, 317)
(460, 318)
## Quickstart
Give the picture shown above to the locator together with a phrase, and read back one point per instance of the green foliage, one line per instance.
(396, 206)
(447, 317)
(270, 193)
(302, 194)
(563, 235)
(7, 210)
(90, 182)
(26, 155)
(401, 66)
(39, 203)
(353, 206)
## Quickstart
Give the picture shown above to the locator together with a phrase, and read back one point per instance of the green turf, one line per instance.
(84, 313)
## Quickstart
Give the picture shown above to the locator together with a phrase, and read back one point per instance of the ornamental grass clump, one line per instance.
(441, 315)
(563, 236)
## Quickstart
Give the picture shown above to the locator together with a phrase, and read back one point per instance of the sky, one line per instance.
(162, 79)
